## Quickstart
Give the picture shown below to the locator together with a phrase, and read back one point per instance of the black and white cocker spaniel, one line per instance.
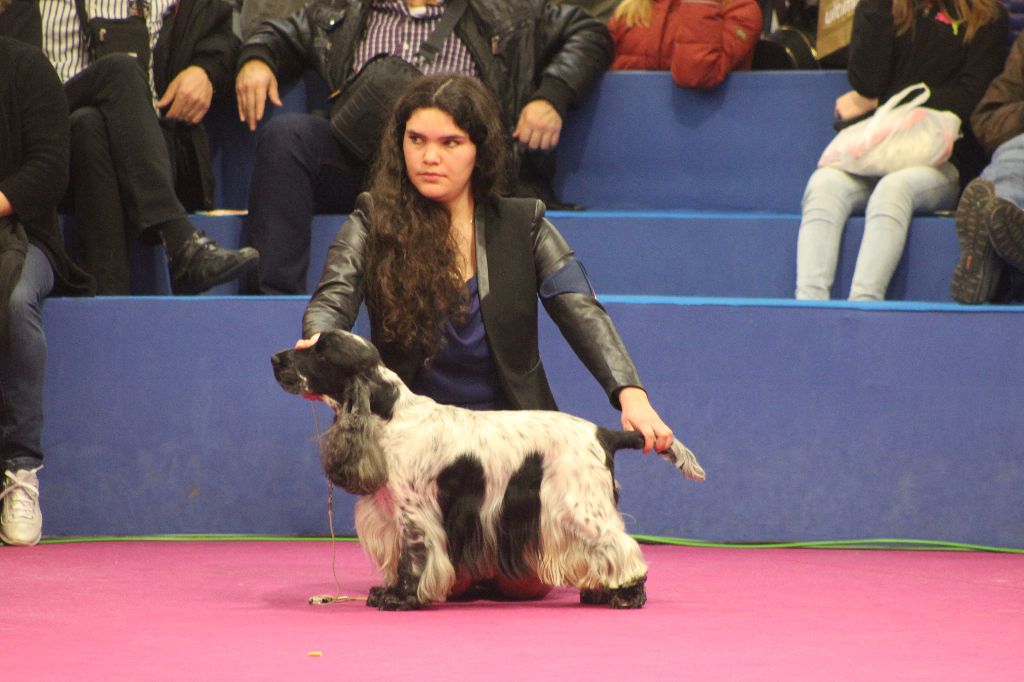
(504, 493)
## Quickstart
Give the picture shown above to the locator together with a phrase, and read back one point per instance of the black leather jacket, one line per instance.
(524, 49)
(517, 249)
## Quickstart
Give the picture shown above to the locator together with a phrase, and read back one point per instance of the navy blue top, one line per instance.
(463, 373)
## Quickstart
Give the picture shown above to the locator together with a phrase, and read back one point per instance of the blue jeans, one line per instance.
(889, 203)
(23, 367)
(1006, 170)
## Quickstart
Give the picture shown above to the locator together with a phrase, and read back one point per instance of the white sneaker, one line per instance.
(21, 521)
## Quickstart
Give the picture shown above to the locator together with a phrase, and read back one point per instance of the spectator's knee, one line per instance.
(25, 309)
(284, 132)
(891, 198)
(122, 69)
(87, 123)
(824, 187)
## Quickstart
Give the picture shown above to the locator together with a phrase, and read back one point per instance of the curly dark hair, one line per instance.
(412, 277)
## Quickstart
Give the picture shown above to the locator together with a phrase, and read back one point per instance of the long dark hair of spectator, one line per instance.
(412, 280)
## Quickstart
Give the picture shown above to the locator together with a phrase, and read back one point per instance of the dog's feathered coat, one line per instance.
(515, 493)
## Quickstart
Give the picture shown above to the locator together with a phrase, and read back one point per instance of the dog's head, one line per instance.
(343, 368)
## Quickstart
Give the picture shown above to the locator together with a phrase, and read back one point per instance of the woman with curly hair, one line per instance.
(956, 47)
(450, 271)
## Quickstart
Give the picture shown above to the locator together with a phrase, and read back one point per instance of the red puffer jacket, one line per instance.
(699, 41)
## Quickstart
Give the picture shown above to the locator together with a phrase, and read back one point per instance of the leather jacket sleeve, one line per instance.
(286, 45)
(335, 303)
(576, 50)
(582, 319)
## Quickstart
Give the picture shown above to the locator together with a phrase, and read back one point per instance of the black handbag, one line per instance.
(357, 119)
(113, 36)
(359, 111)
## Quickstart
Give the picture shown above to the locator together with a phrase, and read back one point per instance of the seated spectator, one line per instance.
(989, 218)
(699, 41)
(33, 176)
(122, 175)
(896, 43)
(537, 57)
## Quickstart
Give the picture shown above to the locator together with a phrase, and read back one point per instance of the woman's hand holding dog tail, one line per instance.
(638, 415)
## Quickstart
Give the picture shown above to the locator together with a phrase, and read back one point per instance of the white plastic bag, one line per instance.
(895, 137)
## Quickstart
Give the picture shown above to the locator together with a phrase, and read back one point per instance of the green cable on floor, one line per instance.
(867, 543)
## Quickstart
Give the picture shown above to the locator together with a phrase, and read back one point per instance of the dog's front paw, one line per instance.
(598, 596)
(631, 597)
(390, 601)
(375, 595)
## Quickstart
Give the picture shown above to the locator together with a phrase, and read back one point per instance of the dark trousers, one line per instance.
(121, 174)
(23, 366)
(300, 170)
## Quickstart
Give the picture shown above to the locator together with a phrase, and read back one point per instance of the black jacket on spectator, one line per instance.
(882, 63)
(524, 49)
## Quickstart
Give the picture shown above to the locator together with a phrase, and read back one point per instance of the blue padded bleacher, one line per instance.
(675, 174)
(1016, 10)
(639, 142)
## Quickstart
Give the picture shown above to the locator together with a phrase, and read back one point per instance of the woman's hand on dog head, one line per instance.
(638, 415)
(306, 343)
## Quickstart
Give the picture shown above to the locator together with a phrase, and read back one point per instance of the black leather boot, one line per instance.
(203, 263)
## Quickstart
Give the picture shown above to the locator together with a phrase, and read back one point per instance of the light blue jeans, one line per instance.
(1006, 170)
(889, 203)
(23, 367)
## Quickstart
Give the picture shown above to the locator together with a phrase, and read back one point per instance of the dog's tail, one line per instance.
(680, 456)
(683, 459)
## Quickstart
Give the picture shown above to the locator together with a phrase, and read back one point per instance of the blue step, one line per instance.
(670, 253)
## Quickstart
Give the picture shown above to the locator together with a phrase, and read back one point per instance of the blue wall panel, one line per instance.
(812, 421)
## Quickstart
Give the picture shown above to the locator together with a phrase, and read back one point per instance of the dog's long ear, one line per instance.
(383, 395)
(347, 352)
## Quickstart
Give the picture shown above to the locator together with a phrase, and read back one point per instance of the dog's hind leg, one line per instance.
(587, 546)
(618, 568)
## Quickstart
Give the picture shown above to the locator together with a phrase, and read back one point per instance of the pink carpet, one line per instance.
(238, 611)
